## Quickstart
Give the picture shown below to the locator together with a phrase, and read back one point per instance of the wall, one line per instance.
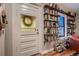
(77, 23)
(2, 39)
(8, 34)
(65, 8)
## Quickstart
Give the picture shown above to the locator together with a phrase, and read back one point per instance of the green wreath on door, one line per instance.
(27, 21)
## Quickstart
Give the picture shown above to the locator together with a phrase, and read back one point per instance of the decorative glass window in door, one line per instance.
(28, 23)
(61, 26)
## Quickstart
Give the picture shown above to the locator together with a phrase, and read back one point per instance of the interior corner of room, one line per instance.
(39, 29)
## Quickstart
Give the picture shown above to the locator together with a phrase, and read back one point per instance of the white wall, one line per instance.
(2, 39)
(8, 34)
(77, 23)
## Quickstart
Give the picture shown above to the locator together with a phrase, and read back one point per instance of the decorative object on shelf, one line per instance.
(50, 4)
(53, 5)
(73, 14)
(58, 48)
(46, 17)
(3, 20)
(47, 9)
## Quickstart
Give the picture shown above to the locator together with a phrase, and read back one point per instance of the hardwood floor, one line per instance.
(68, 52)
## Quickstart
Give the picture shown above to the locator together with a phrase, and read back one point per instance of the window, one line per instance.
(61, 28)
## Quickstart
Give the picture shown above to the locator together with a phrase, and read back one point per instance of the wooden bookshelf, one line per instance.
(71, 25)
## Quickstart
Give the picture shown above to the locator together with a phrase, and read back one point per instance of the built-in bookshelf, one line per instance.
(51, 24)
(71, 25)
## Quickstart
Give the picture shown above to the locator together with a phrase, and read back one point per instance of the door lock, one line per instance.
(37, 31)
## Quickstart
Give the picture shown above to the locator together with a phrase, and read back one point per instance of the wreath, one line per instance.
(27, 18)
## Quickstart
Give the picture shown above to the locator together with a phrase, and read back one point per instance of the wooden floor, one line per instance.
(68, 52)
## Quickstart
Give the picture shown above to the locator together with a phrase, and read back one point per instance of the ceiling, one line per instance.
(71, 6)
(74, 6)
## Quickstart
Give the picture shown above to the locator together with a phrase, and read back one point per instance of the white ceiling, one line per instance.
(74, 6)
(71, 6)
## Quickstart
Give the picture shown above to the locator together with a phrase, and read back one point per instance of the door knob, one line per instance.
(37, 31)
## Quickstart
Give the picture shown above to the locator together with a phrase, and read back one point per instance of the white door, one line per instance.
(27, 42)
(2, 36)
